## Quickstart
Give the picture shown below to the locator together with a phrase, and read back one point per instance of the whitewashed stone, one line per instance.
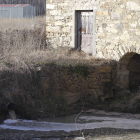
(121, 50)
(50, 6)
(125, 32)
(52, 29)
(63, 4)
(112, 30)
(138, 33)
(69, 23)
(119, 10)
(116, 22)
(111, 47)
(116, 55)
(124, 37)
(59, 17)
(133, 6)
(100, 30)
(117, 38)
(66, 29)
(48, 19)
(55, 12)
(129, 17)
(122, 6)
(100, 55)
(115, 16)
(133, 26)
(59, 23)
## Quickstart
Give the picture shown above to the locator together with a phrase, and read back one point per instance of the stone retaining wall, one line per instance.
(76, 82)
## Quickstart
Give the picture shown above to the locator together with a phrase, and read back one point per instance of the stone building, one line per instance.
(108, 29)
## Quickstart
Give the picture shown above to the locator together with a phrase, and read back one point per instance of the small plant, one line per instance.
(81, 70)
(46, 64)
(51, 64)
(41, 63)
(7, 64)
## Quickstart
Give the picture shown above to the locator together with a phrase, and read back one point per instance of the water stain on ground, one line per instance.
(93, 116)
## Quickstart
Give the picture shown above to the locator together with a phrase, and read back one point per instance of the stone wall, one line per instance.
(59, 23)
(118, 28)
(78, 81)
(60, 20)
(117, 25)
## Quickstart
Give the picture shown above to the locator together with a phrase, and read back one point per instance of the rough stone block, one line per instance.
(71, 97)
(57, 23)
(123, 72)
(66, 29)
(102, 13)
(115, 16)
(112, 30)
(55, 12)
(50, 6)
(53, 29)
(105, 80)
(105, 69)
(138, 33)
(133, 6)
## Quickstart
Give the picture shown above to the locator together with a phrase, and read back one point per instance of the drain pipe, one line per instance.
(10, 108)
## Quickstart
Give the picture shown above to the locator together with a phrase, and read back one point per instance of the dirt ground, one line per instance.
(95, 134)
(96, 117)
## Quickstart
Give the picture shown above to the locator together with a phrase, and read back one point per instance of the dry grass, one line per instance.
(23, 41)
(22, 48)
(24, 44)
(8, 25)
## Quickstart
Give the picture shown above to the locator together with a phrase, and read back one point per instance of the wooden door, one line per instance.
(85, 31)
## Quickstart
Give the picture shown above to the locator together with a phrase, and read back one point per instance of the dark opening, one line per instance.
(134, 73)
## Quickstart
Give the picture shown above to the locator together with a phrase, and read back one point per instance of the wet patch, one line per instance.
(85, 125)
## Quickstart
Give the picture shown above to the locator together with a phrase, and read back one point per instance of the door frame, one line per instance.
(75, 33)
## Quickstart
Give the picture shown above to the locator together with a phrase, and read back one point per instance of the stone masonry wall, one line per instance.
(118, 28)
(59, 20)
(117, 25)
(59, 23)
(76, 82)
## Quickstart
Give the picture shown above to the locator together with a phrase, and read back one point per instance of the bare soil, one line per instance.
(100, 134)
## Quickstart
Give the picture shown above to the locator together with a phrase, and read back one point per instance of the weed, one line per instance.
(7, 64)
(40, 64)
(51, 64)
(81, 70)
